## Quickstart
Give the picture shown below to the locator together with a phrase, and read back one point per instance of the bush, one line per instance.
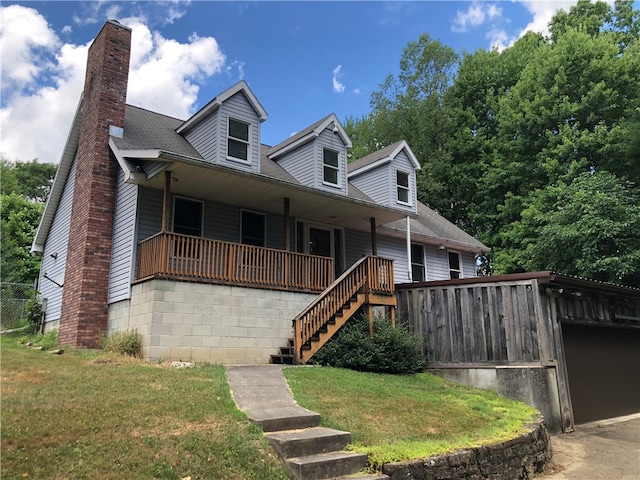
(124, 343)
(390, 350)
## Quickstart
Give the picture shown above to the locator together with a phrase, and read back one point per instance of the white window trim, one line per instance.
(264, 239)
(173, 213)
(248, 142)
(449, 269)
(408, 188)
(338, 169)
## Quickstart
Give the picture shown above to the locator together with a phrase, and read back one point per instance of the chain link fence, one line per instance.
(13, 304)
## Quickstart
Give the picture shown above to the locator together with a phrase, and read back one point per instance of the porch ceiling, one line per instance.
(262, 193)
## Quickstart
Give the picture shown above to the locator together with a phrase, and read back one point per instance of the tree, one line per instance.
(589, 228)
(33, 180)
(25, 187)
(19, 219)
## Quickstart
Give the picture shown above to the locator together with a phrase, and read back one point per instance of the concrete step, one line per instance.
(308, 441)
(326, 465)
(285, 418)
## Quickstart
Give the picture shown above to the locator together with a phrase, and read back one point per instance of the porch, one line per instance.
(171, 256)
(183, 257)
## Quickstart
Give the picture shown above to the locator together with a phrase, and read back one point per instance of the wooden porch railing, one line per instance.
(183, 256)
(370, 277)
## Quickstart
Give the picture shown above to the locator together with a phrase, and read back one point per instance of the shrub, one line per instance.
(390, 350)
(124, 343)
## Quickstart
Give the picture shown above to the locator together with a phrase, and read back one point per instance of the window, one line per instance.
(454, 265)
(252, 228)
(238, 140)
(330, 166)
(402, 182)
(417, 263)
(187, 216)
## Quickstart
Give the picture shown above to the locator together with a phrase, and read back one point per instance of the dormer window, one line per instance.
(330, 166)
(402, 182)
(238, 140)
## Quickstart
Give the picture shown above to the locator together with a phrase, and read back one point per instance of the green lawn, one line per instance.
(81, 415)
(104, 417)
(405, 417)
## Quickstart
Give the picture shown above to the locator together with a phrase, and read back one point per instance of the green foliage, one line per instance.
(389, 350)
(19, 220)
(33, 310)
(32, 180)
(123, 343)
(510, 130)
(48, 340)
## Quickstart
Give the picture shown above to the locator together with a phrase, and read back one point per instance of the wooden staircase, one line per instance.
(368, 282)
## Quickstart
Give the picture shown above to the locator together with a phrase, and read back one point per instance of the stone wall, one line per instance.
(517, 459)
(210, 323)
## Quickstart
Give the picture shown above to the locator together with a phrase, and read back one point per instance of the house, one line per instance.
(212, 245)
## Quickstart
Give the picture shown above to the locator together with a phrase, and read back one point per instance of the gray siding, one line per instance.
(403, 164)
(204, 137)
(299, 163)
(396, 250)
(123, 252)
(468, 261)
(358, 244)
(149, 213)
(380, 183)
(327, 139)
(437, 263)
(376, 184)
(239, 108)
(221, 221)
(56, 244)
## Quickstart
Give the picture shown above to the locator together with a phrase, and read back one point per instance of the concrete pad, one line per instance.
(601, 450)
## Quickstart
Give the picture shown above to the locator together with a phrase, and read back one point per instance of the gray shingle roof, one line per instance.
(144, 129)
(431, 225)
(297, 136)
(373, 157)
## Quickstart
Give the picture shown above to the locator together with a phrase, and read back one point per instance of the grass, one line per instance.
(106, 416)
(404, 417)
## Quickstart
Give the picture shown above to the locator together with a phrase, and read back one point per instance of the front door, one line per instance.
(324, 241)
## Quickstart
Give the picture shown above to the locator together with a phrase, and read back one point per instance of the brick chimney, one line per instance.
(84, 298)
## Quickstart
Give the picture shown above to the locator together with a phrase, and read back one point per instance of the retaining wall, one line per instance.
(518, 459)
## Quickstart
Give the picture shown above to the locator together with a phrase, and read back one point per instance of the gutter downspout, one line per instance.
(409, 275)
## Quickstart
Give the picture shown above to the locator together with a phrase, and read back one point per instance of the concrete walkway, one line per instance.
(263, 394)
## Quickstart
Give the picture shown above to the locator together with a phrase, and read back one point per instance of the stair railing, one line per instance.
(354, 280)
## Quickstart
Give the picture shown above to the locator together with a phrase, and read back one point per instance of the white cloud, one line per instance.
(337, 86)
(44, 79)
(25, 38)
(357, 91)
(477, 14)
(543, 12)
(498, 39)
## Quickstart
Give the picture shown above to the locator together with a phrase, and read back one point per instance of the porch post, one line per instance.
(164, 254)
(287, 226)
(165, 202)
(287, 242)
(410, 274)
(374, 239)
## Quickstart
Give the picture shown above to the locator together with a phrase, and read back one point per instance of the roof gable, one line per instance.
(308, 134)
(214, 104)
(381, 157)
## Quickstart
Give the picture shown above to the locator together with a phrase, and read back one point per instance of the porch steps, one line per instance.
(317, 453)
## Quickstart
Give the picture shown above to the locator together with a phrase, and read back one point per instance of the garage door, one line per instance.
(604, 371)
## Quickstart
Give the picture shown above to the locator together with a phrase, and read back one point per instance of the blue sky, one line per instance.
(303, 60)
